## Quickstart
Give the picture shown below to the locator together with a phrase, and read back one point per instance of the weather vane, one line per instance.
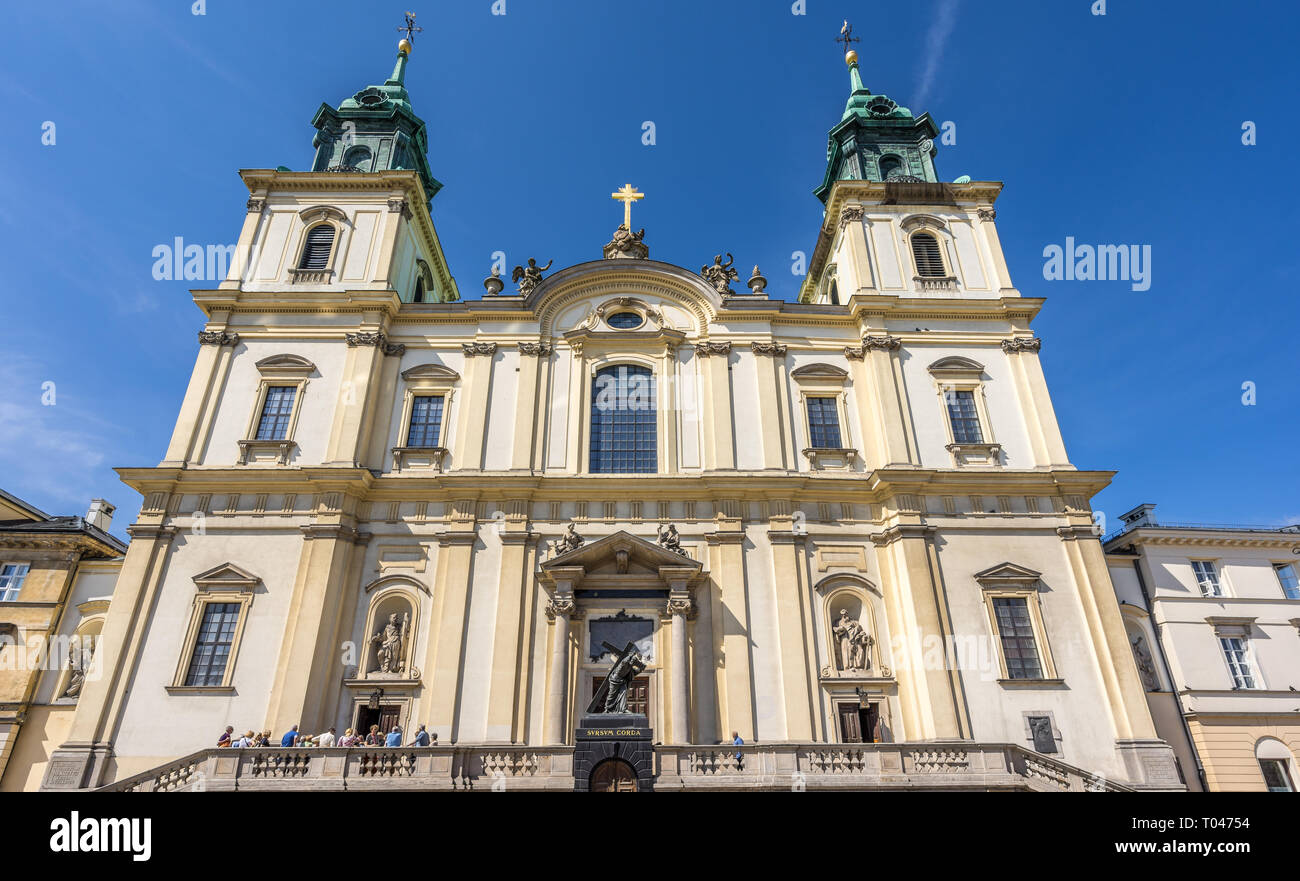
(846, 36)
(410, 28)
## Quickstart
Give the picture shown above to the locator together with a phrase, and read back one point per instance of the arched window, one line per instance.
(623, 421)
(1276, 764)
(418, 296)
(835, 293)
(890, 166)
(358, 157)
(316, 250)
(928, 256)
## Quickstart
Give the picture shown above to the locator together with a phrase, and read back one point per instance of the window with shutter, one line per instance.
(316, 251)
(929, 260)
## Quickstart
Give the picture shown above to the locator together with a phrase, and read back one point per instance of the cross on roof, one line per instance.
(627, 194)
(410, 27)
(846, 36)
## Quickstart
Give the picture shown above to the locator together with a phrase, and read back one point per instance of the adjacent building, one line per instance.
(845, 527)
(56, 580)
(1213, 618)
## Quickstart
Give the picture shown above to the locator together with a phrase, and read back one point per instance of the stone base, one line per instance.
(602, 736)
(1150, 765)
(76, 766)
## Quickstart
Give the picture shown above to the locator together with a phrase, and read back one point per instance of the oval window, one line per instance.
(624, 320)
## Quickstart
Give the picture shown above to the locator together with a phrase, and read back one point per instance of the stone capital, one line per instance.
(472, 349)
(1022, 344)
(776, 350)
(706, 349)
(884, 341)
(217, 338)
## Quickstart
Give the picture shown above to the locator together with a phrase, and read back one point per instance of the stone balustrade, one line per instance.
(779, 766)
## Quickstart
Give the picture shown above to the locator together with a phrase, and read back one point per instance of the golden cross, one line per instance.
(627, 195)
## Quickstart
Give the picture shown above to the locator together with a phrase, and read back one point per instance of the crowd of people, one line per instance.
(294, 737)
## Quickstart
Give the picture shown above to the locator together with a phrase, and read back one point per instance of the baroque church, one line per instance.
(843, 530)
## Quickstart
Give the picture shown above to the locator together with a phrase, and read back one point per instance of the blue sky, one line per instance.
(1116, 129)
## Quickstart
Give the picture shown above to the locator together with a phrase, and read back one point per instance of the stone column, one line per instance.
(680, 608)
(560, 610)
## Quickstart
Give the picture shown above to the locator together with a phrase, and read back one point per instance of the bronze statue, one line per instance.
(611, 697)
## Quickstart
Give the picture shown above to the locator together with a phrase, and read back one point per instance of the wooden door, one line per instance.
(850, 723)
(388, 716)
(613, 775)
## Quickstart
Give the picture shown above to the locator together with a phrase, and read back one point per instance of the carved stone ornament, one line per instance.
(366, 338)
(540, 349)
(399, 206)
(757, 282)
(570, 541)
(1031, 344)
(680, 606)
(255, 205)
(670, 541)
(855, 353)
(987, 214)
(472, 349)
(398, 349)
(852, 214)
(626, 243)
(560, 606)
(704, 350)
(530, 276)
(720, 274)
(774, 349)
(886, 342)
(217, 338)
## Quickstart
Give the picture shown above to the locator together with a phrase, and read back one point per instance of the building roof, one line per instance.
(42, 524)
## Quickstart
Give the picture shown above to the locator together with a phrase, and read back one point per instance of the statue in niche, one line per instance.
(1145, 667)
(392, 641)
(78, 663)
(611, 697)
(669, 540)
(570, 541)
(854, 643)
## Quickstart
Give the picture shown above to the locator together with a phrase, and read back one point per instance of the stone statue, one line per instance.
(854, 642)
(1145, 666)
(528, 277)
(611, 697)
(720, 274)
(570, 541)
(669, 540)
(78, 663)
(626, 243)
(392, 638)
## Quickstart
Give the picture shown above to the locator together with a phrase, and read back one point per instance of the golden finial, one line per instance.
(846, 37)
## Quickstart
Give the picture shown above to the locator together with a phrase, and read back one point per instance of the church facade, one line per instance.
(845, 529)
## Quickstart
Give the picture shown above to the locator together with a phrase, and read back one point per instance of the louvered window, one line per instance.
(929, 261)
(316, 252)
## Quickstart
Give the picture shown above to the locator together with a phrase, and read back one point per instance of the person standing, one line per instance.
(421, 737)
(375, 737)
(737, 742)
(326, 739)
(394, 737)
(224, 739)
(290, 737)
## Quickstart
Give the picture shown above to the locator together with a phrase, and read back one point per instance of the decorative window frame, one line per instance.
(1009, 581)
(226, 583)
(431, 380)
(277, 370)
(826, 381)
(927, 223)
(958, 374)
(597, 363)
(1243, 629)
(312, 218)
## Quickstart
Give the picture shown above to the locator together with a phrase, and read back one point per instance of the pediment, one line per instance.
(956, 363)
(1008, 572)
(227, 576)
(286, 364)
(819, 371)
(621, 553)
(430, 371)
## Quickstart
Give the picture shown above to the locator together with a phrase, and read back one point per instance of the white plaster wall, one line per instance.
(764, 632)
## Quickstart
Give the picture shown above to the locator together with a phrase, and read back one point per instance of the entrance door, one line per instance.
(613, 775)
(638, 694)
(859, 724)
(385, 717)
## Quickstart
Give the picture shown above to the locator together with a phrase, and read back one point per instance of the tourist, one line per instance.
(224, 739)
(266, 739)
(736, 741)
(326, 739)
(394, 737)
(375, 737)
(421, 737)
(290, 737)
(348, 738)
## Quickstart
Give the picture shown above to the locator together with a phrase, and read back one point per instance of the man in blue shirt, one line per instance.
(290, 737)
(394, 737)
(736, 741)
(421, 737)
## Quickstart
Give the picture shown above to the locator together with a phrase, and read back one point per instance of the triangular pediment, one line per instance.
(1008, 572)
(227, 576)
(621, 553)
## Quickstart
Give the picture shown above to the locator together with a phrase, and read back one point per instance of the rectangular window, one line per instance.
(426, 421)
(624, 438)
(1286, 574)
(1207, 578)
(1016, 630)
(823, 424)
(1237, 655)
(11, 581)
(964, 417)
(276, 410)
(212, 648)
(1277, 776)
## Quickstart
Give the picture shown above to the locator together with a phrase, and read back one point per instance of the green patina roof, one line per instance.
(876, 134)
(375, 130)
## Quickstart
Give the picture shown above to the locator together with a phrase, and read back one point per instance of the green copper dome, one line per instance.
(375, 130)
(876, 139)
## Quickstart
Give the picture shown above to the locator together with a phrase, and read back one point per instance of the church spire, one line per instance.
(377, 129)
(876, 139)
